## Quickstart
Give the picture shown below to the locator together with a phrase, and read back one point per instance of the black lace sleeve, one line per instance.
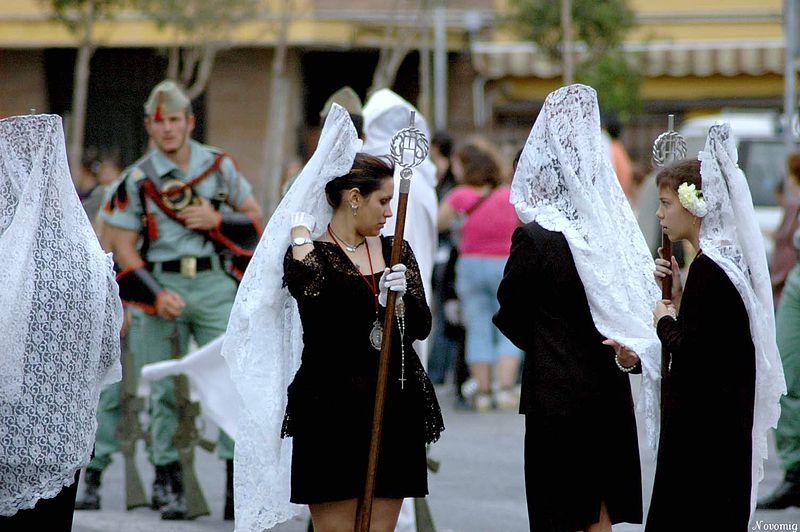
(418, 314)
(304, 278)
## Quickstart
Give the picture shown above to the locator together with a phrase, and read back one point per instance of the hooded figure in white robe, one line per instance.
(386, 113)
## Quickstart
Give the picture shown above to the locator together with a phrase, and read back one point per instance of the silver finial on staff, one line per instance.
(669, 145)
(409, 148)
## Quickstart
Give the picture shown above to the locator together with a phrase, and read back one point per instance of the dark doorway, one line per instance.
(119, 84)
(325, 72)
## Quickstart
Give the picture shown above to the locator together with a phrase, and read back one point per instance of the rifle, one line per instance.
(129, 430)
(187, 437)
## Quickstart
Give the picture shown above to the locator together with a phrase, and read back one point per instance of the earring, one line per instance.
(354, 208)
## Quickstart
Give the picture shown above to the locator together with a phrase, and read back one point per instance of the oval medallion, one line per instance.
(376, 335)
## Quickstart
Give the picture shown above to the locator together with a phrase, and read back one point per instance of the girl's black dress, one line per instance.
(704, 465)
(331, 399)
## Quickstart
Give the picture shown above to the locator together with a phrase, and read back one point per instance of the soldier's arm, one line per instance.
(122, 243)
(250, 207)
(240, 228)
(137, 286)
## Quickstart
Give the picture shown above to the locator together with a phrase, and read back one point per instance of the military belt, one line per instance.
(186, 266)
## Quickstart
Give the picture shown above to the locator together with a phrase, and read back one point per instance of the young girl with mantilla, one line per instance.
(725, 374)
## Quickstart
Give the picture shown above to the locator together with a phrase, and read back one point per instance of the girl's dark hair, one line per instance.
(683, 171)
(480, 163)
(367, 174)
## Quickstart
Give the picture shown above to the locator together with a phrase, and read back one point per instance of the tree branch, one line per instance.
(203, 71)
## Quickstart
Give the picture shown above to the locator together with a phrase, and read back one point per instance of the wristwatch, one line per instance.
(301, 241)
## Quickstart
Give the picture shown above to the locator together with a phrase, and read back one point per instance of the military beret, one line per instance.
(166, 97)
(347, 98)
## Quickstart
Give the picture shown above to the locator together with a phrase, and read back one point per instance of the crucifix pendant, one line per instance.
(376, 335)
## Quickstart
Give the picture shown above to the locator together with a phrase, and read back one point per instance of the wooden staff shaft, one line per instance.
(666, 293)
(364, 512)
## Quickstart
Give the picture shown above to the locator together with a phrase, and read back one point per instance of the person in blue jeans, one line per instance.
(480, 204)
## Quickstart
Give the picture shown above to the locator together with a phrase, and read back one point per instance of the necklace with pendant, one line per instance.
(376, 334)
(339, 240)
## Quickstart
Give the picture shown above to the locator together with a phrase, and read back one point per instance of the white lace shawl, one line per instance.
(730, 236)
(60, 317)
(564, 181)
(264, 339)
(385, 114)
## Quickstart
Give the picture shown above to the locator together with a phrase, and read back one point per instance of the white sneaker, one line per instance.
(469, 388)
(483, 402)
(507, 399)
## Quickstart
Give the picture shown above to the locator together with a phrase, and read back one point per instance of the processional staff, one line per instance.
(409, 148)
(668, 147)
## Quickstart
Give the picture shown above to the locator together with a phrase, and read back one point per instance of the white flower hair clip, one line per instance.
(692, 199)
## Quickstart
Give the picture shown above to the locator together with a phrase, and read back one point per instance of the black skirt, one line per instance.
(329, 463)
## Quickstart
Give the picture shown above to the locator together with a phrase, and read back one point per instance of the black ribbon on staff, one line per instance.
(409, 148)
(668, 146)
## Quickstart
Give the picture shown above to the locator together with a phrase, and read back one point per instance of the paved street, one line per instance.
(479, 487)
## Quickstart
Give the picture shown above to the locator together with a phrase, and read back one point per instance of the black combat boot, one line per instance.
(160, 496)
(785, 495)
(91, 495)
(228, 513)
(176, 509)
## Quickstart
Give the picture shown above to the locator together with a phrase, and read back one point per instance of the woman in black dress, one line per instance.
(720, 332)
(300, 346)
(576, 296)
(340, 282)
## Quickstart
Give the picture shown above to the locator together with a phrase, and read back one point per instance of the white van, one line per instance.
(762, 158)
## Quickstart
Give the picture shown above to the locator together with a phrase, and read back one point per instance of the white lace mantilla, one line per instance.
(565, 182)
(730, 236)
(60, 317)
(263, 342)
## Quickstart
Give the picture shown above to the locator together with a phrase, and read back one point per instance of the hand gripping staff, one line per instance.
(668, 146)
(409, 148)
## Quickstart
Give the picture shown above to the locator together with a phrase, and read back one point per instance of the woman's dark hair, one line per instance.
(683, 171)
(444, 141)
(367, 175)
(480, 163)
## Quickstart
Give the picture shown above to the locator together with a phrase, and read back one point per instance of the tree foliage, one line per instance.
(617, 82)
(200, 20)
(599, 28)
(73, 13)
(201, 29)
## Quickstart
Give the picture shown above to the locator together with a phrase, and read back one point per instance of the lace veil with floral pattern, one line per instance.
(730, 236)
(60, 317)
(565, 182)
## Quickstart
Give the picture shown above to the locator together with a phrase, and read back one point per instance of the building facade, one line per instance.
(697, 57)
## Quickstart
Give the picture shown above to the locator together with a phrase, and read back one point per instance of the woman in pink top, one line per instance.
(485, 243)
